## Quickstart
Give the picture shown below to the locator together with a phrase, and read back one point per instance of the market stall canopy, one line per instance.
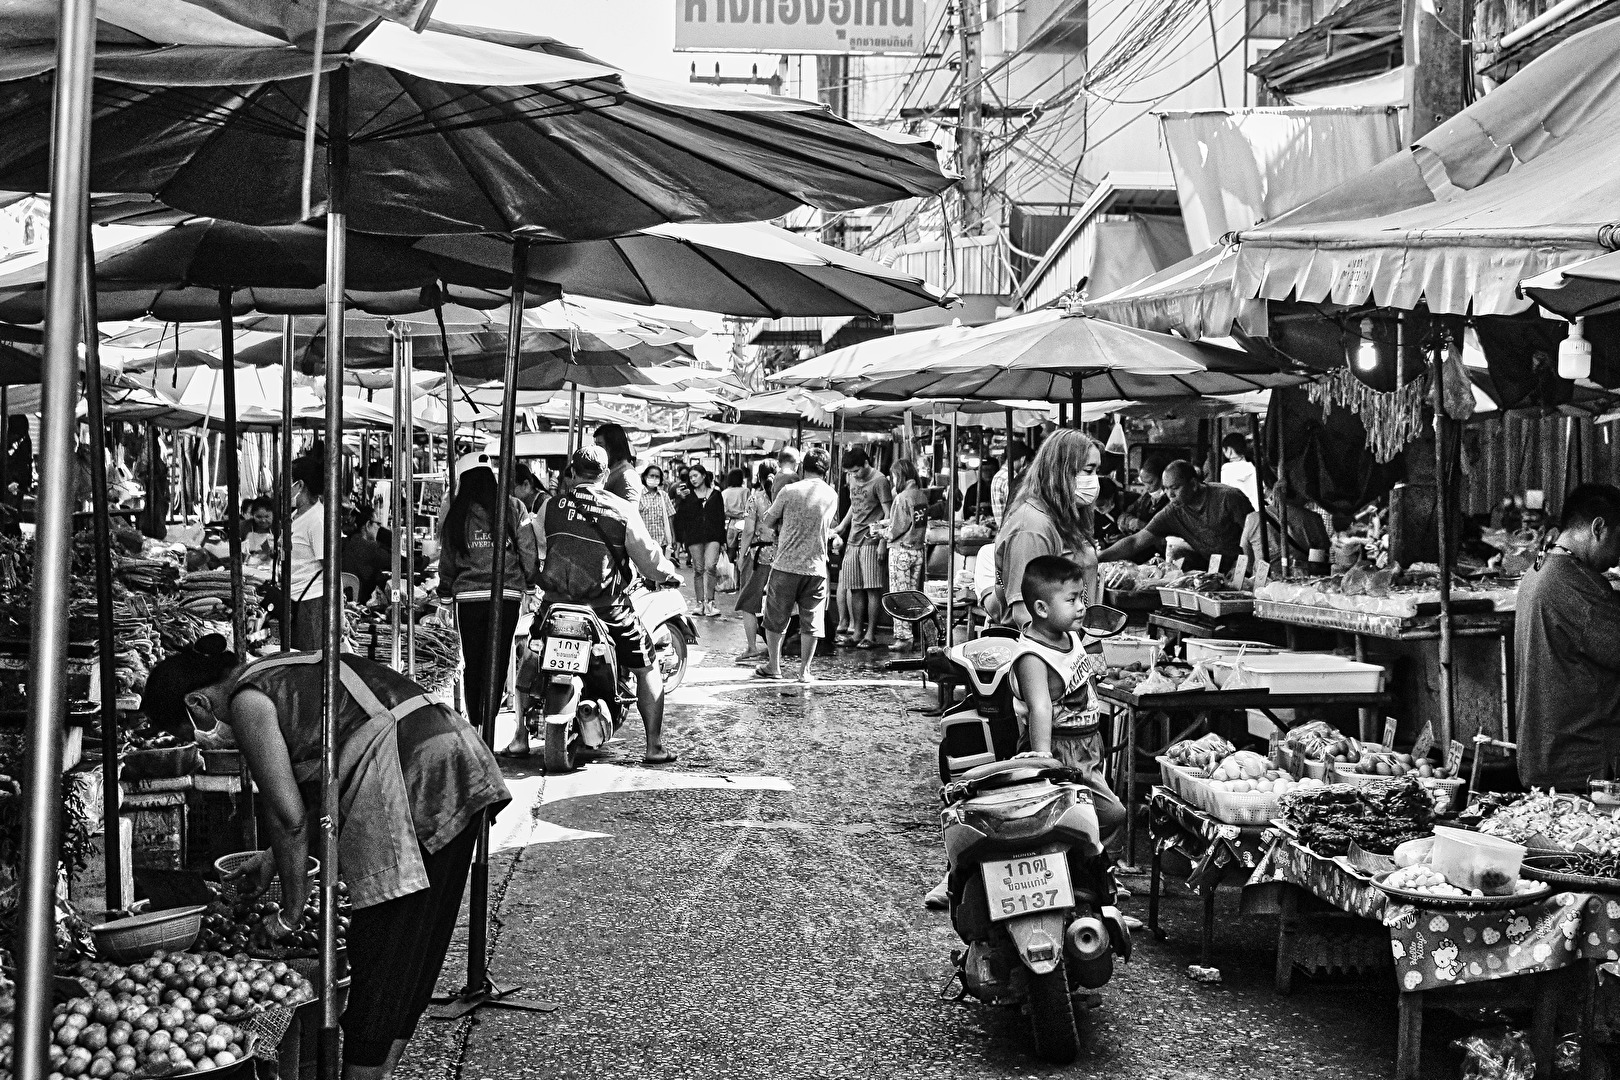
(1524, 180)
(1070, 359)
(176, 273)
(752, 270)
(703, 443)
(843, 366)
(449, 133)
(1194, 299)
(1584, 288)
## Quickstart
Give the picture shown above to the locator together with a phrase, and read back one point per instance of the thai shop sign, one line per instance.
(871, 27)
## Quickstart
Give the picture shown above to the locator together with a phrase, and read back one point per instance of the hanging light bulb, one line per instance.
(1367, 351)
(1575, 353)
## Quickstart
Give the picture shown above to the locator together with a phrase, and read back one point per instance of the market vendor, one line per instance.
(1566, 644)
(415, 782)
(1209, 518)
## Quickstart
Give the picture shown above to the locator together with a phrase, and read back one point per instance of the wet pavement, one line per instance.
(754, 911)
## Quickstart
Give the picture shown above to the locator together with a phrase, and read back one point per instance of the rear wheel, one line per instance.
(669, 653)
(1051, 1014)
(562, 742)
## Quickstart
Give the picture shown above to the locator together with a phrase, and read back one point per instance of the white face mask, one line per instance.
(1086, 487)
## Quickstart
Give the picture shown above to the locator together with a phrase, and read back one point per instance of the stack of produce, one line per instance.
(438, 647)
(1205, 753)
(1118, 576)
(241, 926)
(1566, 822)
(207, 593)
(1245, 772)
(1377, 816)
(150, 574)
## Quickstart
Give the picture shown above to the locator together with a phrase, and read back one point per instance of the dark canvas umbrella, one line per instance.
(448, 133)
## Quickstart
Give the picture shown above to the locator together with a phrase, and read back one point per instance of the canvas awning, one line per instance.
(1193, 298)
(1522, 181)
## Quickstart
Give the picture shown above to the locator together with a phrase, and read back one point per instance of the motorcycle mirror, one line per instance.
(1102, 621)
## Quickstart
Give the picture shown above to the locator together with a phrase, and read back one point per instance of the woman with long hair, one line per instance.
(757, 542)
(1050, 515)
(704, 520)
(735, 498)
(466, 575)
(621, 460)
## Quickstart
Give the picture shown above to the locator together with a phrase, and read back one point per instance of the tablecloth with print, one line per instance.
(1211, 846)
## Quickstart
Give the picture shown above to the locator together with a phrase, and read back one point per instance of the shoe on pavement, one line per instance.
(1132, 923)
(939, 897)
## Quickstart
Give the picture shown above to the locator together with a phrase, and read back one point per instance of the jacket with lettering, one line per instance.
(589, 540)
(467, 575)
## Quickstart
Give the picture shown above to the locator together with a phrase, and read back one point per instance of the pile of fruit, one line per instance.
(1561, 821)
(1423, 878)
(175, 1013)
(244, 927)
(1245, 772)
(1380, 762)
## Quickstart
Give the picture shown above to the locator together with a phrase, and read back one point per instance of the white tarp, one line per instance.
(1235, 168)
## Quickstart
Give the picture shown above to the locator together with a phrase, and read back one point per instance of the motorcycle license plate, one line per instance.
(1026, 885)
(566, 654)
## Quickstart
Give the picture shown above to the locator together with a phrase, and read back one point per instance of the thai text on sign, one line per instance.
(801, 26)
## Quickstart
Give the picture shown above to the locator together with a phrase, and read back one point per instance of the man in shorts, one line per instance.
(802, 515)
(589, 539)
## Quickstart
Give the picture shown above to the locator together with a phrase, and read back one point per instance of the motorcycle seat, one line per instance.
(1010, 767)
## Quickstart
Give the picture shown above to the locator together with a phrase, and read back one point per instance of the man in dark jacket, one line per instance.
(588, 540)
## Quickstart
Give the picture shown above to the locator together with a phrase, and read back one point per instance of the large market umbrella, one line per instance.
(754, 270)
(842, 366)
(448, 133)
(1073, 359)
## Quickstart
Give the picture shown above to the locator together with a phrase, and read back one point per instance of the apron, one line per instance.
(378, 852)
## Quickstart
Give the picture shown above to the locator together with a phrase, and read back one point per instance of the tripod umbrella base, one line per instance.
(491, 996)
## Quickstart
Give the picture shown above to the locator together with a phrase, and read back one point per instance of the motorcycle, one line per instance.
(587, 696)
(1032, 893)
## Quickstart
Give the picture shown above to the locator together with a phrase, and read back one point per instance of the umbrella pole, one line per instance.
(449, 427)
(233, 476)
(337, 183)
(950, 558)
(480, 988)
(1444, 458)
(410, 509)
(798, 433)
(104, 585)
(286, 480)
(396, 510)
(1282, 505)
(47, 690)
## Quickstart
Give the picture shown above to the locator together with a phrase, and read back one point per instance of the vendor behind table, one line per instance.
(1209, 518)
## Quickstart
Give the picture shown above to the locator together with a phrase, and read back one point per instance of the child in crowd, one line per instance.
(1055, 677)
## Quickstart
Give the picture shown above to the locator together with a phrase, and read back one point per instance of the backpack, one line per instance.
(582, 563)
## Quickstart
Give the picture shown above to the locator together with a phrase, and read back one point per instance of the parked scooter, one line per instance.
(1031, 890)
(586, 696)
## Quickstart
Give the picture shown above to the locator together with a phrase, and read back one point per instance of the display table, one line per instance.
(1218, 852)
(1197, 704)
(1436, 949)
(1482, 662)
(1176, 624)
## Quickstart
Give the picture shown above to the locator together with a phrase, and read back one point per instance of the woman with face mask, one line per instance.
(1050, 515)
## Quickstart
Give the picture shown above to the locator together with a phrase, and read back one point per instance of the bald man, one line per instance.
(1209, 517)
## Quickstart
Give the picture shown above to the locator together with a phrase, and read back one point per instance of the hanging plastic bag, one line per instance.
(725, 574)
(1457, 390)
(1116, 439)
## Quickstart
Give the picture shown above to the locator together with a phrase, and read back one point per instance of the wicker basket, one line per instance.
(139, 936)
(227, 863)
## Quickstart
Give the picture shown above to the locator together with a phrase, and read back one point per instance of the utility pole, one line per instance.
(832, 87)
(1435, 62)
(969, 149)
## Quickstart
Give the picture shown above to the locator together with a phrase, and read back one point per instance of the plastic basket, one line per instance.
(1236, 807)
(139, 936)
(1125, 651)
(227, 863)
(1215, 607)
(1177, 779)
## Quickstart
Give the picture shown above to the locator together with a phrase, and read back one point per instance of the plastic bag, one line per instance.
(725, 574)
(1496, 1054)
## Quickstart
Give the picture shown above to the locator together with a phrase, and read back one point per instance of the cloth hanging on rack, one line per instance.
(1392, 419)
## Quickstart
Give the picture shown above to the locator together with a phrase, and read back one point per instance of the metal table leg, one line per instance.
(1206, 947)
(1409, 1047)
(1130, 785)
(1155, 878)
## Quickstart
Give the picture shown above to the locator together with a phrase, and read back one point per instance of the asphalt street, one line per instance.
(754, 911)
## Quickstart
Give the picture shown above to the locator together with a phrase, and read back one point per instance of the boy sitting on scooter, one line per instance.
(1054, 677)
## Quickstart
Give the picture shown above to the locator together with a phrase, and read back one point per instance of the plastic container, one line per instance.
(139, 936)
(1199, 648)
(1302, 673)
(1471, 860)
(1235, 807)
(1125, 650)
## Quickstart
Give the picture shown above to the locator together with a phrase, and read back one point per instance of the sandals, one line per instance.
(508, 752)
(666, 758)
(757, 654)
(761, 673)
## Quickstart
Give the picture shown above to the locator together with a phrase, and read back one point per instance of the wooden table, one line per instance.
(1198, 703)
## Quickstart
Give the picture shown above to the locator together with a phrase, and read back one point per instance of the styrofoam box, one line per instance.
(1125, 650)
(1305, 673)
(1199, 648)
